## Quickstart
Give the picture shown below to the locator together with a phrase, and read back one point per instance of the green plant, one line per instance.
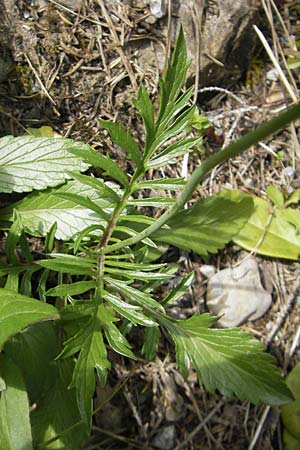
(97, 276)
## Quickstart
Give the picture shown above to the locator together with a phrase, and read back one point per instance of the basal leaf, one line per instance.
(229, 361)
(294, 198)
(43, 131)
(15, 430)
(34, 351)
(123, 138)
(28, 163)
(39, 210)
(270, 233)
(290, 414)
(57, 412)
(208, 225)
(103, 162)
(18, 312)
(2, 385)
(47, 382)
(276, 196)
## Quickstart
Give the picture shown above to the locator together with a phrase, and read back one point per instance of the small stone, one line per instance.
(165, 438)
(272, 75)
(158, 8)
(151, 19)
(75, 5)
(207, 270)
(237, 294)
(289, 171)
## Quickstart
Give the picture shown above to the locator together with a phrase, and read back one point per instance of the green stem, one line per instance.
(234, 149)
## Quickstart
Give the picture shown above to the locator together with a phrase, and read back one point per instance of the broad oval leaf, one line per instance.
(39, 210)
(47, 381)
(15, 430)
(208, 225)
(18, 312)
(28, 162)
(271, 233)
(290, 414)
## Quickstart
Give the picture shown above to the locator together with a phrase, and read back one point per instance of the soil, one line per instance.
(67, 65)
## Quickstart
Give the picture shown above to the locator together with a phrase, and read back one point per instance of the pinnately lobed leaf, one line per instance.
(123, 138)
(230, 361)
(28, 163)
(18, 312)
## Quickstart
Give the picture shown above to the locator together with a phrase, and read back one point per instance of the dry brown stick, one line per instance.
(118, 45)
(39, 80)
(197, 16)
(259, 427)
(200, 426)
(282, 315)
(169, 35)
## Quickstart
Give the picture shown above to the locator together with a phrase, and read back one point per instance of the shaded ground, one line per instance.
(66, 68)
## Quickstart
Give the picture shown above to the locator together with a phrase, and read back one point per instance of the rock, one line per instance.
(227, 36)
(72, 4)
(289, 171)
(165, 438)
(207, 270)
(272, 75)
(158, 8)
(237, 294)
